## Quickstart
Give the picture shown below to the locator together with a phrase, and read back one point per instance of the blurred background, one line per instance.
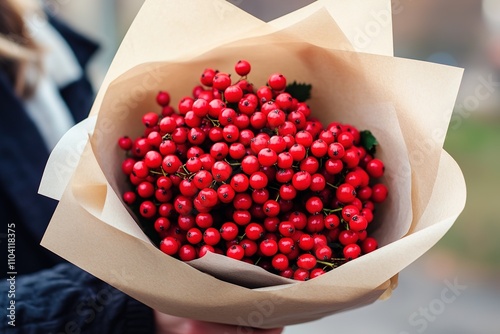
(466, 262)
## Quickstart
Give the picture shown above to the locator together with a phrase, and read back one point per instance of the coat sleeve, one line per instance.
(66, 299)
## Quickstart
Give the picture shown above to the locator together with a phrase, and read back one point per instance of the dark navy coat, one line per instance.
(49, 295)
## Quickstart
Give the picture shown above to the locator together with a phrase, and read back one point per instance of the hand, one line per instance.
(168, 324)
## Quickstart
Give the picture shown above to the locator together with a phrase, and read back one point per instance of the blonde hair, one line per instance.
(18, 51)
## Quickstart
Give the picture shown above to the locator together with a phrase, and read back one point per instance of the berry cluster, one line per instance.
(252, 175)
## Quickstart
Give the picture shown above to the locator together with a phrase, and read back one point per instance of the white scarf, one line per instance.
(46, 107)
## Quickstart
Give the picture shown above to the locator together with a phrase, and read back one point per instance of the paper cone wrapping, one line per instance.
(406, 104)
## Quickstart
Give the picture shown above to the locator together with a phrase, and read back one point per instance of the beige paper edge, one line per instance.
(64, 159)
(366, 24)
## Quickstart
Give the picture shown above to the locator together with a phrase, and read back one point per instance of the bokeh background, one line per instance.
(463, 33)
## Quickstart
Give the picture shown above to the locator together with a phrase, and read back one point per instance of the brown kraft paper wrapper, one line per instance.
(406, 104)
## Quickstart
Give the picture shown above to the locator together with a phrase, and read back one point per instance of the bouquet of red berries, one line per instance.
(263, 196)
(249, 173)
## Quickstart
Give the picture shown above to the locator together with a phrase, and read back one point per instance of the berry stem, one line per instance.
(214, 122)
(331, 265)
(331, 185)
(232, 163)
(329, 211)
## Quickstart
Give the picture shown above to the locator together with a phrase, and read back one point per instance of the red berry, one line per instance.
(239, 182)
(314, 205)
(145, 189)
(267, 157)
(202, 179)
(332, 222)
(236, 252)
(207, 77)
(336, 151)
(221, 171)
(242, 68)
(301, 274)
(264, 94)
(358, 223)
(258, 180)
(298, 152)
(221, 81)
(348, 211)
(280, 262)
(242, 217)
(200, 108)
(237, 150)
(268, 247)
(345, 193)
(316, 272)
(379, 193)
(369, 245)
(318, 183)
(204, 220)
(375, 168)
(277, 82)
(147, 209)
(276, 118)
(254, 231)
(347, 237)
(162, 224)
(233, 94)
(194, 236)
(187, 253)
(249, 246)
(129, 197)
(319, 148)
(286, 228)
(345, 139)
(204, 250)
(271, 208)
(163, 98)
(250, 164)
(211, 236)
(323, 253)
(150, 119)
(286, 245)
(351, 252)
(306, 261)
(125, 143)
(242, 201)
(169, 246)
(301, 180)
(183, 205)
(306, 242)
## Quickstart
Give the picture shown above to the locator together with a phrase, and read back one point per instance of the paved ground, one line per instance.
(475, 309)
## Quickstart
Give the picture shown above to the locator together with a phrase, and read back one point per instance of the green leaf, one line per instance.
(368, 141)
(300, 91)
